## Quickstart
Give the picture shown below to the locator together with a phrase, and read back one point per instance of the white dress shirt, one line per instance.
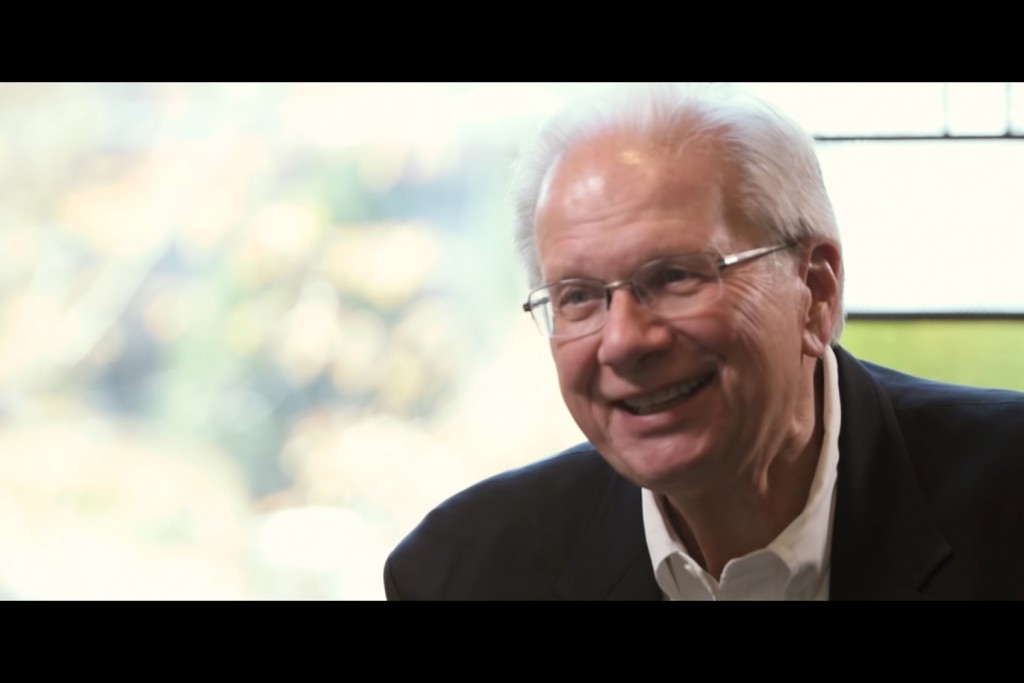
(795, 566)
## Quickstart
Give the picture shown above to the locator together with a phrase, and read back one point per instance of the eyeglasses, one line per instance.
(670, 287)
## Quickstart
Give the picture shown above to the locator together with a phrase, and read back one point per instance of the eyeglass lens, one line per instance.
(670, 288)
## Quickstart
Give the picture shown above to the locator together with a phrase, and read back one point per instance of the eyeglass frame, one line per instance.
(722, 263)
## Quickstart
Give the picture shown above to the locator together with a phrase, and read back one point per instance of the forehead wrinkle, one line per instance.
(672, 180)
(599, 189)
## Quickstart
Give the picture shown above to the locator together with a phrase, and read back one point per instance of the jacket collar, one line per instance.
(612, 562)
(885, 544)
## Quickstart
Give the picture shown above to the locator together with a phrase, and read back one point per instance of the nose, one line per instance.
(631, 332)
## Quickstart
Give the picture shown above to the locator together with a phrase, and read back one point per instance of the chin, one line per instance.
(660, 465)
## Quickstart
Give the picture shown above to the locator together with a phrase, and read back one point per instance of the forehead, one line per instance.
(629, 198)
(621, 162)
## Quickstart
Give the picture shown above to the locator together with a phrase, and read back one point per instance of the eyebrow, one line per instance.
(575, 272)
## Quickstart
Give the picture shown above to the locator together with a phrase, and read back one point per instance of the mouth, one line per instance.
(666, 398)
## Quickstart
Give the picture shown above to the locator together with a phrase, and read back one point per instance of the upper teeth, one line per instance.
(645, 402)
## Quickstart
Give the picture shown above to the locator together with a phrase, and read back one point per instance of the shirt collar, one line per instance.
(793, 566)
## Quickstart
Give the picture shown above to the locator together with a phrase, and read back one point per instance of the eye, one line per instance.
(577, 300)
(676, 274)
(575, 296)
(673, 278)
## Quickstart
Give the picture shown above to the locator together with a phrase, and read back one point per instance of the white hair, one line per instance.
(780, 189)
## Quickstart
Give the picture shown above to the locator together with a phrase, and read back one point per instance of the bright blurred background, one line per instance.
(251, 333)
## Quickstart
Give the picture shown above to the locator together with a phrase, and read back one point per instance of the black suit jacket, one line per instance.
(929, 504)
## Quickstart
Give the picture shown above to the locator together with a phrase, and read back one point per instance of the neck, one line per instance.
(746, 514)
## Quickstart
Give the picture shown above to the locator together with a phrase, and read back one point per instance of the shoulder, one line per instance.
(941, 415)
(951, 452)
(957, 436)
(505, 537)
(923, 405)
(910, 392)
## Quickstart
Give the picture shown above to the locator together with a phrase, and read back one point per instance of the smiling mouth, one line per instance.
(661, 400)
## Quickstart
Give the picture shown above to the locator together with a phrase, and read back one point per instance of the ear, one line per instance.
(821, 272)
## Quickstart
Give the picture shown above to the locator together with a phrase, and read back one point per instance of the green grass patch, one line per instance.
(986, 353)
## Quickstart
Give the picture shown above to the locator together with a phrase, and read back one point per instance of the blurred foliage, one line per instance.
(223, 267)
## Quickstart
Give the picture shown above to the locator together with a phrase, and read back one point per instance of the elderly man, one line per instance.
(688, 274)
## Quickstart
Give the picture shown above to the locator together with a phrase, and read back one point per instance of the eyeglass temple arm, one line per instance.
(733, 259)
(528, 307)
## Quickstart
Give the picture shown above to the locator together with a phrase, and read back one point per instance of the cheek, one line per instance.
(713, 334)
(755, 341)
(574, 362)
(765, 320)
(576, 365)
(765, 359)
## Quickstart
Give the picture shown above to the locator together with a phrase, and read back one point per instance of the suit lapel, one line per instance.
(612, 561)
(885, 544)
